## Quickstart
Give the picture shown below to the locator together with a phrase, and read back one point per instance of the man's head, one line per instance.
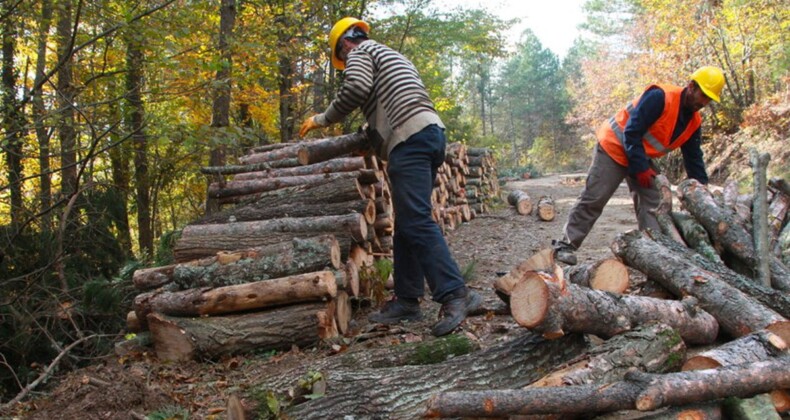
(705, 85)
(346, 29)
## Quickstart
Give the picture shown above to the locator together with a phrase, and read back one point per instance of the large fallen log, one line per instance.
(253, 186)
(365, 207)
(326, 192)
(720, 224)
(300, 288)
(642, 391)
(654, 348)
(182, 339)
(401, 392)
(294, 256)
(738, 314)
(319, 151)
(347, 164)
(777, 300)
(543, 305)
(695, 236)
(758, 346)
(198, 241)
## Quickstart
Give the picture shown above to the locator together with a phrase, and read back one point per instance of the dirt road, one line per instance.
(499, 240)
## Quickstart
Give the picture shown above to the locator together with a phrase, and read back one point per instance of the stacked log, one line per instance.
(481, 182)
(277, 264)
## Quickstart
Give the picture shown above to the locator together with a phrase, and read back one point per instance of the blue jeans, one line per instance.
(419, 249)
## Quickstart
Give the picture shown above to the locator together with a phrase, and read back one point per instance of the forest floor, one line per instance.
(136, 385)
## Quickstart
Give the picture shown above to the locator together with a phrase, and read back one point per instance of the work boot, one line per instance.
(454, 310)
(397, 310)
(564, 252)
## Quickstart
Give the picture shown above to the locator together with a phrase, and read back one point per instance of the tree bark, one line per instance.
(401, 392)
(181, 339)
(609, 275)
(777, 300)
(254, 212)
(720, 225)
(347, 164)
(13, 120)
(332, 147)
(39, 116)
(654, 348)
(153, 277)
(521, 201)
(762, 240)
(663, 212)
(328, 191)
(198, 241)
(300, 288)
(283, 153)
(644, 391)
(243, 188)
(696, 236)
(737, 313)
(553, 309)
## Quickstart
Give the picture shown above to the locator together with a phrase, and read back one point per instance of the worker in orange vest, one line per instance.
(663, 118)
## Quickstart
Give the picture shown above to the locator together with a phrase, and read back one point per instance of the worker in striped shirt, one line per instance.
(405, 130)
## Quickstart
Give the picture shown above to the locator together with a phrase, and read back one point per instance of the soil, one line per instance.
(137, 384)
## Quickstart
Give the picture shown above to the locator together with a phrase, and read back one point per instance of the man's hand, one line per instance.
(307, 125)
(645, 178)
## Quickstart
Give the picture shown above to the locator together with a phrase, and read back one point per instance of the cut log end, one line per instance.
(610, 276)
(700, 363)
(782, 330)
(529, 300)
(171, 343)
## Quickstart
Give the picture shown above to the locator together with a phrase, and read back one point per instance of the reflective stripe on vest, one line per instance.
(647, 137)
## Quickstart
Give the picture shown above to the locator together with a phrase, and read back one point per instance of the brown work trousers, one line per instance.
(603, 179)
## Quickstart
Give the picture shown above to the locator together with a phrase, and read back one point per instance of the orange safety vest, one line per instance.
(657, 140)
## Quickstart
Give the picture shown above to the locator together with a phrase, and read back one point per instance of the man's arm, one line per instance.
(645, 113)
(693, 157)
(355, 90)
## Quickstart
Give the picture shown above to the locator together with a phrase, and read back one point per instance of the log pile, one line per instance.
(706, 257)
(296, 236)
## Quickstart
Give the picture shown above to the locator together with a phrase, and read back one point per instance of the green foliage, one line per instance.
(164, 248)
(468, 272)
(171, 412)
(269, 405)
(376, 276)
(519, 171)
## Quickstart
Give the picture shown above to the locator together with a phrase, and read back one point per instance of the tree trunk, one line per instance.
(546, 209)
(151, 278)
(644, 391)
(254, 212)
(65, 99)
(542, 261)
(181, 339)
(609, 275)
(737, 313)
(39, 116)
(347, 164)
(654, 348)
(227, 192)
(401, 392)
(13, 121)
(521, 201)
(553, 309)
(777, 300)
(300, 288)
(762, 239)
(720, 225)
(663, 212)
(136, 126)
(325, 149)
(198, 241)
(696, 236)
(325, 192)
(287, 153)
(221, 89)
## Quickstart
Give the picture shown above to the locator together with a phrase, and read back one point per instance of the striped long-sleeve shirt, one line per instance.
(388, 89)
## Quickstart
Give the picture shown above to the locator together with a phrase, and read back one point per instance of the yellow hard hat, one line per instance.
(339, 29)
(711, 80)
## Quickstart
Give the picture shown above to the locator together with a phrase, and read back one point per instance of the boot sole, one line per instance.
(392, 321)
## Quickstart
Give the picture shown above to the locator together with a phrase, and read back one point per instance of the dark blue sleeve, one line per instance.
(693, 158)
(645, 114)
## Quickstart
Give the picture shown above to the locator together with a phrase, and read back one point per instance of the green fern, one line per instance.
(170, 412)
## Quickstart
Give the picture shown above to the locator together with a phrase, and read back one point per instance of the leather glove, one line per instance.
(307, 125)
(645, 178)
